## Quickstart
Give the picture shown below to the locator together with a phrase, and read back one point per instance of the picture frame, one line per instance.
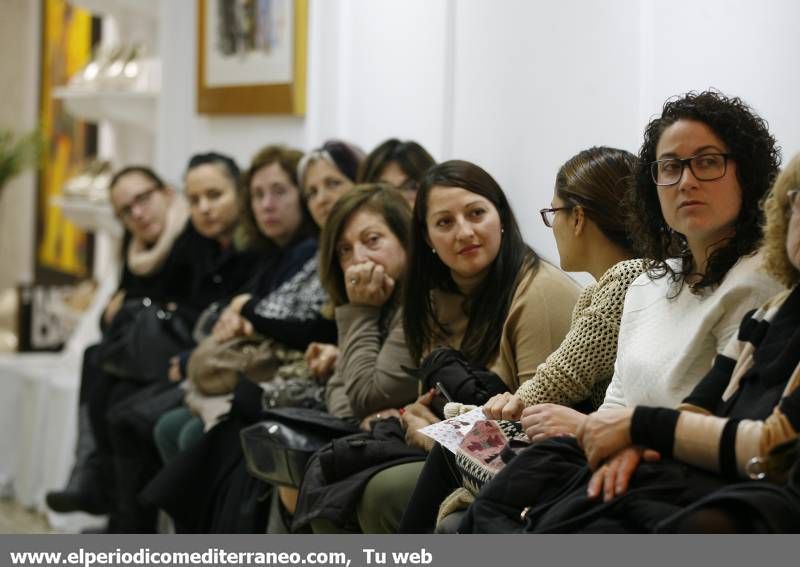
(251, 56)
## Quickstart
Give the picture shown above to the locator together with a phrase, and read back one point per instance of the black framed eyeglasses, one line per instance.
(549, 215)
(139, 200)
(704, 167)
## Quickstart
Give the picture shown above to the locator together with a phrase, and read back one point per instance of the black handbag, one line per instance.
(141, 340)
(278, 448)
(456, 380)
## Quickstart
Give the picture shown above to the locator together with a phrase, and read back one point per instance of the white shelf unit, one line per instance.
(130, 108)
(119, 8)
(39, 412)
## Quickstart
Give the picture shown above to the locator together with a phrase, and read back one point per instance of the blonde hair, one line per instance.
(776, 208)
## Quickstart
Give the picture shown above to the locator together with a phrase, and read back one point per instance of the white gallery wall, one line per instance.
(517, 86)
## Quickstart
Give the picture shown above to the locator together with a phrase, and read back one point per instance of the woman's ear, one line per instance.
(578, 220)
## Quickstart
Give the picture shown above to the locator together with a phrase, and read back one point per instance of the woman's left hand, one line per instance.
(614, 476)
(368, 284)
(543, 421)
(605, 433)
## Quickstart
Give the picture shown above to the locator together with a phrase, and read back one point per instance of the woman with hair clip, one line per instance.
(284, 304)
(704, 166)
(478, 288)
(400, 164)
(327, 173)
(590, 232)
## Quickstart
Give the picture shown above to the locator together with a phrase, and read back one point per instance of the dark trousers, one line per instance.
(439, 477)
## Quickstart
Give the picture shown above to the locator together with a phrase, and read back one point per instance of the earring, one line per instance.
(434, 251)
(502, 230)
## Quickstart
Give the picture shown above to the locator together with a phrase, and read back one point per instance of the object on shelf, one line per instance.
(132, 108)
(118, 68)
(88, 215)
(146, 8)
(91, 183)
(49, 314)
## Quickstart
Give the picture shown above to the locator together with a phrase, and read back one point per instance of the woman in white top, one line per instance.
(705, 165)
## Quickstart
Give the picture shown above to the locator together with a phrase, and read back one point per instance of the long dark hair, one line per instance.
(488, 306)
(757, 158)
(598, 179)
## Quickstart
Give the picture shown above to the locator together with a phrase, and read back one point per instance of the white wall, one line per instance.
(18, 36)
(517, 86)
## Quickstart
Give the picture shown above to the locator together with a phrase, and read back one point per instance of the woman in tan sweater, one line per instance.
(476, 286)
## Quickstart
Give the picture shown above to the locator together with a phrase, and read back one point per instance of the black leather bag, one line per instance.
(278, 448)
(451, 374)
(142, 338)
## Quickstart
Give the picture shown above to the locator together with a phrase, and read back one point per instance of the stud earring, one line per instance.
(434, 251)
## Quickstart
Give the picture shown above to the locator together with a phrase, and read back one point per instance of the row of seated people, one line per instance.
(643, 400)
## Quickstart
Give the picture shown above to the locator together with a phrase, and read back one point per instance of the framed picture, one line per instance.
(251, 56)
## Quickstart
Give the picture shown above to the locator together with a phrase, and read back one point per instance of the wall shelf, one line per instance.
(88, 215)
(136, 108)
(147, 8)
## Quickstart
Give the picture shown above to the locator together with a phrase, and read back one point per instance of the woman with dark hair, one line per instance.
(363, 257)
(167, 261)
(477, 288)
(362, 266)
(702, 162)
(327, 173)
(284, 303)
(400, 164)
(590, 232)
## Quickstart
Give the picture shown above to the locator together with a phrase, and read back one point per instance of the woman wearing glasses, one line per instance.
(705, 164)
(589, 228)
(734, 422)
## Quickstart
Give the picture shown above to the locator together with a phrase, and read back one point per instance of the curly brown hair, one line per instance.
(776, 209)
(757, 159)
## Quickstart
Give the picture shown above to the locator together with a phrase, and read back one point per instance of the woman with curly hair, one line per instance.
(742, 411)
(749, 507)
(704, 166)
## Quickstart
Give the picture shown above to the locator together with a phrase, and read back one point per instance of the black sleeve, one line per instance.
(709, 390)
(654, 428)
(294, 333)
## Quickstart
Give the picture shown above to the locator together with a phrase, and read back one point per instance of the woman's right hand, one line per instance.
(321, 359)
(414, 417)
(368, 284)
(504, 406)
(113, 307)
(230, 325)
(174, 374)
